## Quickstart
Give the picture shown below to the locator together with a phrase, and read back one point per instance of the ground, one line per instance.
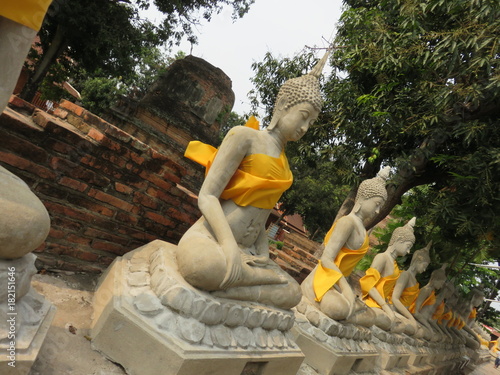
(67, 351)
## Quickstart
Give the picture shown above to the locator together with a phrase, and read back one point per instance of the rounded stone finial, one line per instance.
(24, 221)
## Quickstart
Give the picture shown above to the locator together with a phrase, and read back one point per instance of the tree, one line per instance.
(419, 91)
(110, 37)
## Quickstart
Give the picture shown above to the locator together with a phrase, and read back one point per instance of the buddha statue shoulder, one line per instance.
(379, 281)
(345, 244)
(226, 251)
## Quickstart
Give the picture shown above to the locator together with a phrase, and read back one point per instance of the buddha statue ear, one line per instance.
(279, 108)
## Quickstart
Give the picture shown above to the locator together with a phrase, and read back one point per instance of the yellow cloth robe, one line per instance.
(259, 181)
(325, 278)
(438, 313)
(473, 313)
(409, 295)
(29, 13)
(384, 285)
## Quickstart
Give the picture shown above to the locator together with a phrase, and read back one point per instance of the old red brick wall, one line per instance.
(106, 191)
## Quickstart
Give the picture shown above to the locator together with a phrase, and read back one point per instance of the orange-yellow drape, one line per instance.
(29, 13)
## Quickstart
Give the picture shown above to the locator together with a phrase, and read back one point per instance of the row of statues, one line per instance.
(226, 251)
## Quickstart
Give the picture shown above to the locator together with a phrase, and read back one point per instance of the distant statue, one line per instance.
(428, 308)
(226, 251)
(407, 288)
(345, 245)
(379, 281)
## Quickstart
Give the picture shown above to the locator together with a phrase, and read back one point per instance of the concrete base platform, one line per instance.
(25, 355)
(161, 325)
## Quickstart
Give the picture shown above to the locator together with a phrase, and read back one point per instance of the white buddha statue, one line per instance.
(346, 243)
(407, 288)
(226, 251)
(379, 281)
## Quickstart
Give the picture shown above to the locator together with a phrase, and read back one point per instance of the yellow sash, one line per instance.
(384, 285)
(473, 313)
(325, 278)
(29, 13)
(438, 313)
(409, 295)
(259, 181)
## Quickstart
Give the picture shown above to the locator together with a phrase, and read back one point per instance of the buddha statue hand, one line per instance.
(255, 260)
(233, 266)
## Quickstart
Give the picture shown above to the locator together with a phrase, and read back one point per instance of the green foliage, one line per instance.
(111, 37)
(99, 93)
(277, 244)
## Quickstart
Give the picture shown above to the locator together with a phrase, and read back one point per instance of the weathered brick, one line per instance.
(72, 107)
(24, 164)
(181, 216)
(23, 148)
(95, 233)
(159, 219)
(62, 222)
(96, 134)
(164, 196)
(79, 201)
(73, 184)
(20, 104)
(78, 123)
(55, 233)
(121, 188)
(108, 246)
(155, 180)
(127, 218)
(78, 239)
(119, 134)
(145, 200)
(167, 176)
(61, 113)
(51, 190)
(118, 161)
(114, 201)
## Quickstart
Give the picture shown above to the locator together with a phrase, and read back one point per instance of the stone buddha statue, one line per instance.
(407, 288)
(379, 281)
(326, 287)
(428, 307)
(226, 251)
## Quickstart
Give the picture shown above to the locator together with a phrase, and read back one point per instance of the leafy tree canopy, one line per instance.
(111, 36)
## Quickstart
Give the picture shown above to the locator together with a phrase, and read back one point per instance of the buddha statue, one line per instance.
(226, 251)
(326, 287)
(379, 281)
(407, 288)
(428, 307)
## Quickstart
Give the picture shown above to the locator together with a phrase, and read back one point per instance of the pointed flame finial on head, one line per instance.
(302, 89)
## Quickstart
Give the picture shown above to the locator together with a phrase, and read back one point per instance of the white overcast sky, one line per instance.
(283, 27)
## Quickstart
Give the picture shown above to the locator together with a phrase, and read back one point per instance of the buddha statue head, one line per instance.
(402, 239)
(300, 90)
(438, 277)
(421, 259)
(476, 297)
(372, 190)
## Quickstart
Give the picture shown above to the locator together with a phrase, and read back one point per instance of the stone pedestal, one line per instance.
(330, 347)
(148, 319)
(25, 318)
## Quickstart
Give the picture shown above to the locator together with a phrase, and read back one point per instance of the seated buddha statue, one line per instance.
(428, 307)
(345, 244)
(407, 288)
(226, 251)
(379, 281)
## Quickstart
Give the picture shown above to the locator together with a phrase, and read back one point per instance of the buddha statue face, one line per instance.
(477, 298)
(369, 207)
(401, 248)
(294, 121)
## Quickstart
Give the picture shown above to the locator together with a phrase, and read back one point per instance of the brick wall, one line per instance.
(106, 191)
